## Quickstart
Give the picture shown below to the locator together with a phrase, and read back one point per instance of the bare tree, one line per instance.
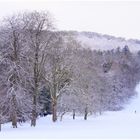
(58, 71)
(11, 53)
(38, 38)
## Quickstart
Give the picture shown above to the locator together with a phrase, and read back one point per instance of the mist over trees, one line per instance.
(44, 71)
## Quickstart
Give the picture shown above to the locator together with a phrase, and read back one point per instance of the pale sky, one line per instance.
(121, 19)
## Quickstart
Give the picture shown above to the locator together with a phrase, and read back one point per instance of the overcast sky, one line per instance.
(108, 17)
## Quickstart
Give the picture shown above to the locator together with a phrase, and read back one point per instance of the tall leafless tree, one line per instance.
(11, 52)
(58, 71)
(38, 38)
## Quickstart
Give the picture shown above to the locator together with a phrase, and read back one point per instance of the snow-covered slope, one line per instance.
(123, 124)
(134, 104)
(98, 41)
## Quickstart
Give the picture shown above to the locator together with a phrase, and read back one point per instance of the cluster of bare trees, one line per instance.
(33, 56)
(24, 39)
(101, 81)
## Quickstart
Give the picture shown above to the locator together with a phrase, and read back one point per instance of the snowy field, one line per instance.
(115, 125)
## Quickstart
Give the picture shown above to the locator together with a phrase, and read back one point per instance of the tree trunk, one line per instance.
(73, 114)
(14, 121)
(86, 113)
(54, 111)
(34, 115)
(61, 117)
(100, 112)
(14, 113)
(33, 120)
(34, 112)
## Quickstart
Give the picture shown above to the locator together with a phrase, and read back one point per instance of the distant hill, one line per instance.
(99, 41)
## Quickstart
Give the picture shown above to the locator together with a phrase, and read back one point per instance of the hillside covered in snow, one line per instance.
(97, 41)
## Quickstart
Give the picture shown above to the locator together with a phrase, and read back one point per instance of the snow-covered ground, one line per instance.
(114, 125)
